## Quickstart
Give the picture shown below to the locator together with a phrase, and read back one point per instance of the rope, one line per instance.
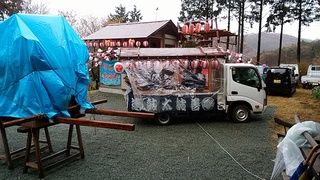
(249, 172)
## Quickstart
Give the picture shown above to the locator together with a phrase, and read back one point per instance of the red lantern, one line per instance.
(145, 43)
(112, 43)
(185, 29)
(204, 64)
(138, 43)
(106, 43)
(118, 43)
(101, 44)
(206, 27)
(191, 28)
(198, 27)
(118, 67)
(95, 44)
(215, 64)
(125, 44)
(131, 44)
(128, 66)
(185, 64)
(195, 64)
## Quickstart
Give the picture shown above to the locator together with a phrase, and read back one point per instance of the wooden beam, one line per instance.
(20, 120)
(121, 113)
(94, 123)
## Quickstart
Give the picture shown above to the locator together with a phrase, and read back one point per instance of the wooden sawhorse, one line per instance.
(39, 162)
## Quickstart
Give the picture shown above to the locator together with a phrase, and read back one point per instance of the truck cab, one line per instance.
(245, 91)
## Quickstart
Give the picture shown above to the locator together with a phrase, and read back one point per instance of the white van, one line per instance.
(295, 68)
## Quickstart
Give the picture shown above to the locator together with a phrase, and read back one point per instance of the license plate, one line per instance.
(277, 81)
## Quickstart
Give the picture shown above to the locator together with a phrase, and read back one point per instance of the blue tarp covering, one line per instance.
(43, 63)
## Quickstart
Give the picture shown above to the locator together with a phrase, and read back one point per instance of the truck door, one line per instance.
(245, 84)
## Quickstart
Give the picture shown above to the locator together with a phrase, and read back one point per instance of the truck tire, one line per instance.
(240, 113)
(163, 118)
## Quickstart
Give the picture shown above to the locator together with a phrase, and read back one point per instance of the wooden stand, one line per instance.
(38, 163)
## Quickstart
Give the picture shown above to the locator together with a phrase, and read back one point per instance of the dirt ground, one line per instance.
(191, 148)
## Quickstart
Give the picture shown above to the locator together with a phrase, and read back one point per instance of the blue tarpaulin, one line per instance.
(43, 63)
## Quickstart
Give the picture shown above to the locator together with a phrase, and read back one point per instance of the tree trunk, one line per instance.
(299, 33)
(259, 35)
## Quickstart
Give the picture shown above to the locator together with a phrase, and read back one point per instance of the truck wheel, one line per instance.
(240, 113)
(163, 118)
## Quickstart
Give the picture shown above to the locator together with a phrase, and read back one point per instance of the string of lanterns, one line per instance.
(110, 43)
(190, 28)
(119, 67)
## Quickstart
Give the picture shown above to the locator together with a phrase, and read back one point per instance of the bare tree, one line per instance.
(31, 8)
(88, 25)
(70, 17)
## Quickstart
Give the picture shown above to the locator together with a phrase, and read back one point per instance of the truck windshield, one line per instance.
(246, 76)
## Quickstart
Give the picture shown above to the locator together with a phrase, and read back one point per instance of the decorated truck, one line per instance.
(188, 81)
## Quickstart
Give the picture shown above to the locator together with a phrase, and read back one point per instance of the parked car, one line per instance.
(295, 69)
(263, 71)
(280, 80)
(312, 78)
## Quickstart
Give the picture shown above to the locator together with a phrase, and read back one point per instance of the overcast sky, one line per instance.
(167, 9)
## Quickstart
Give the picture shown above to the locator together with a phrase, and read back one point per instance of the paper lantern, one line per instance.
(198, 27)
(95, 44)
(204, 64)
(131, 44)
(185, 64)
(191, 28)
(166, 64)
(138, 43)
(112, 43)
(138, 64)
(118, 43)
(145, 43)
(206, 27)
(185, 29)
(195, 64)
(128, 65)
(125, 44)
(118, 67)
(101, 44)
(106, 43)
(175, 63)
(157, 66)
(215, 64)
(149, 64)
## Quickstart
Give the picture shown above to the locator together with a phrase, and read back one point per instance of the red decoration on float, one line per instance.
(138, 64)
(206, 27)
(185, 64)
(145, 43)
(204, 64)
(166, 64)
(118, 67)
(125, 44)
(191, 28)
(128, 65)
(195, 64)
(138, 43)
(101, 44)
(198, 27)
(149, 64)
(112, 43)
(106, 43)
(185, 29)
(215, 64)
(131, 44)
(118, 43)
(95, 44)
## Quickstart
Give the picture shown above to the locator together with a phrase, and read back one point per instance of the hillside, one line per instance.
(269, 42)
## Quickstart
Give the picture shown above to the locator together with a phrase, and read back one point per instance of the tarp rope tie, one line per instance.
(229, 153)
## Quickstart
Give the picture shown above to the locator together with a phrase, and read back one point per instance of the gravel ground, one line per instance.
(191, 148)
